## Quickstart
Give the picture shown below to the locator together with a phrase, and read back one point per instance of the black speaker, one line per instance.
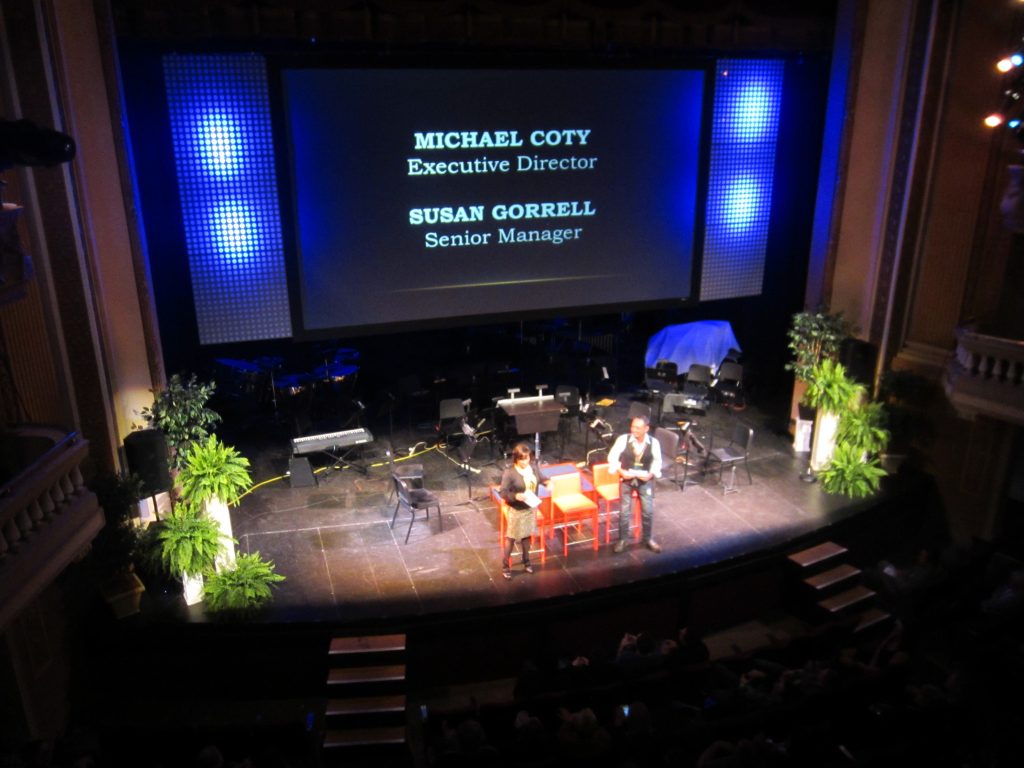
(146, 452)
(858, 357)
(300, 475)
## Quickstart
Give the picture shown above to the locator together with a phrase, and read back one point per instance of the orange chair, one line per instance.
(503, 512)
(607, 486)
(569, 505)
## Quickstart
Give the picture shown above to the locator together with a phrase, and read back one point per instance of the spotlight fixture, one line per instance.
(993, 120)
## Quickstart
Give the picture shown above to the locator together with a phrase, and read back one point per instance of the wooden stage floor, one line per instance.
(343, 562)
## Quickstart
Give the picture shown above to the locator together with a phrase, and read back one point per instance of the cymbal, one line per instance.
(334, 371)
(242, 366)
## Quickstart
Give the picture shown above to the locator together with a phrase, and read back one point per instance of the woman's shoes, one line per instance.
(506, 574)
(527, 567)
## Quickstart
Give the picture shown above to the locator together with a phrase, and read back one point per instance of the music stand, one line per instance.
(533, 416)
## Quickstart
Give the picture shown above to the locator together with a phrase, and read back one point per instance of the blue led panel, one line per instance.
(223, 153)
(745, 126)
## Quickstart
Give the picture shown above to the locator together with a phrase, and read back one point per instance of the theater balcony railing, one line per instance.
(48, 517)
(986, 377)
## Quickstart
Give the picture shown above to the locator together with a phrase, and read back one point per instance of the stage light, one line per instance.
(1015, 123)
(993, 120)
(234, 228)
(742, 203)
(219, 143)
(219, 112)
(1004, 65)
(755, 111)
(1017, 59)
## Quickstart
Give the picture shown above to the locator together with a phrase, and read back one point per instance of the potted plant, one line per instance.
(213, 475)
(851, 473)
(811, 338)
(244, 589)
(180, 412)
(117, 545)
(189, 546)
(864, 427)
(830, 392)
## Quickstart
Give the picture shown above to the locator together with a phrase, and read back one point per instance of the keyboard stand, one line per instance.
(344, 459)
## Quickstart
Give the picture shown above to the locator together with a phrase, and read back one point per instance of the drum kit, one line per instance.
(294, 393)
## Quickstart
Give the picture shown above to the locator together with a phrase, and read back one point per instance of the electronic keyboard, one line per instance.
(346, 438)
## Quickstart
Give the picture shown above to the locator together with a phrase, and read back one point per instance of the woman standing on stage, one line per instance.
(519, 485)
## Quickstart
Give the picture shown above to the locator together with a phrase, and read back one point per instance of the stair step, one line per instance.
(845, 599)
(833, 576)
(367, 644)
(871, 617)
(346, 675)
(366, 705)
(808, 557)
(362, 737)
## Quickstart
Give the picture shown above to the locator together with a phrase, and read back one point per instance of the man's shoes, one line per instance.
(527, 567)
(652, 545)
(620, 547)
(506, 575)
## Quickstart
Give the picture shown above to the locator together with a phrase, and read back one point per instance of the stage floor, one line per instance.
(344, 563)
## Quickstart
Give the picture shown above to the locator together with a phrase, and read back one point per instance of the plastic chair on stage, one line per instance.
(451, 413)
(608, 488)
(570, 506)
(670, 455)
(504, 510)
(729, 385)
(411, 472)
(414, 499)
(695, 457)
(737, 450)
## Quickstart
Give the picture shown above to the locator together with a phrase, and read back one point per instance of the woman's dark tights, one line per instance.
(509, 546)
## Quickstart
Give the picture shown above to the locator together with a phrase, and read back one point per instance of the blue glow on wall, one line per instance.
(745, 126)
(220, 125)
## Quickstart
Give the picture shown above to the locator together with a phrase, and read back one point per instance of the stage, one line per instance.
(345, 564)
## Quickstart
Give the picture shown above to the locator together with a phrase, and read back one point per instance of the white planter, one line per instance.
(218, 511)
(824, 444)
(193, 588)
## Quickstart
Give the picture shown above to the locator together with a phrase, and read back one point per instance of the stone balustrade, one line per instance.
(48, 517)
(986, 376)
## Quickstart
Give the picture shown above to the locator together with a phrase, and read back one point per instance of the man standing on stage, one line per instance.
(636, 458)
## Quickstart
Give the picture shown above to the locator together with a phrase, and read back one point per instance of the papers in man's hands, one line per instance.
(532, 499)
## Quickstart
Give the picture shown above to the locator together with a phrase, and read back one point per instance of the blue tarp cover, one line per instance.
(705, 342)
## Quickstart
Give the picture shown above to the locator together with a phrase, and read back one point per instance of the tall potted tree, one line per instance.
(830, 392)
(214, 475)
(180, 412)
(189, 545)
(811, 338)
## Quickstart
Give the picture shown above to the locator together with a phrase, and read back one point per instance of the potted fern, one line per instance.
(830, 392)
(240, 591)
(214, 475)
(865, 428)
(851, 473)
(189, 545)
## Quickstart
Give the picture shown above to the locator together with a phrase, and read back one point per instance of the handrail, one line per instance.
(990, 357)
(41, 491)
(985, 376)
